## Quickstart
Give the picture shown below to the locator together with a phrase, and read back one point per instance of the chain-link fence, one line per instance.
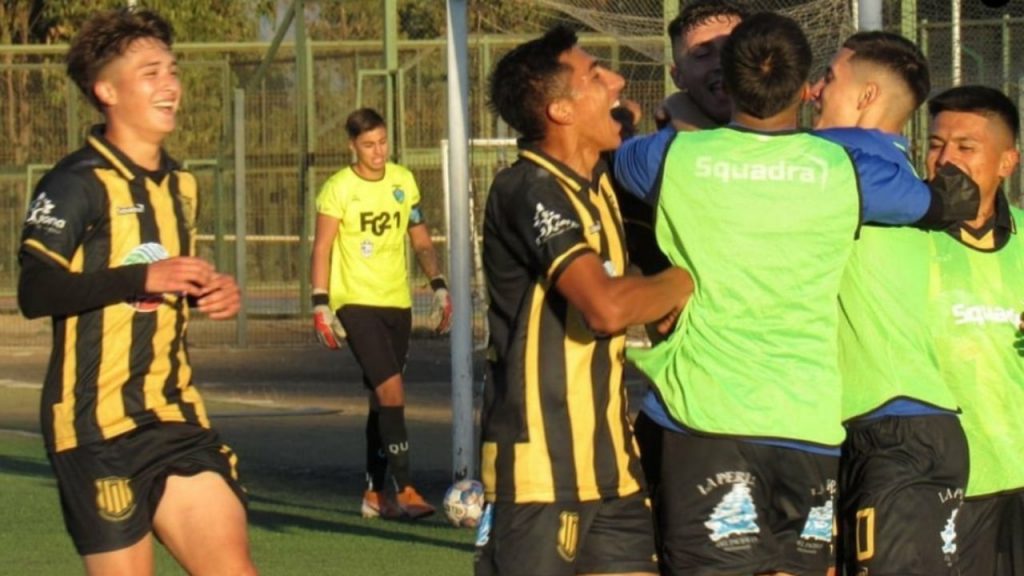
(42, 118)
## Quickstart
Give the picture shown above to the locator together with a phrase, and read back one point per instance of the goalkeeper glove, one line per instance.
(326, 325)
(441, 317)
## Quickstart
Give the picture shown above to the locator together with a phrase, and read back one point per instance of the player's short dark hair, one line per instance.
(981, 100)
(529, 78)
(361, 121)
(765, 62)
(700, 12)
(895, 54)
(104, 37)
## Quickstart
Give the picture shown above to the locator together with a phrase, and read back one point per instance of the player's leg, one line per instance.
(648, 436)
(131, 561)
(901, 487)
(202, 523)
(200, 516)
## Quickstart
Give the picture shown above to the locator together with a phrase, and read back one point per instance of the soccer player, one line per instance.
(361, 294)
(764, 217)
(108, 252)
(977, 295)
(559, 465)
(697, 35)
(903, 466)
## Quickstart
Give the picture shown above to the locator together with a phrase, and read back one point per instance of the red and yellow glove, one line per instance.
(326, 326)
(441, 317)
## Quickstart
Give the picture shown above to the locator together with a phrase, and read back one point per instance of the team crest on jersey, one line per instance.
(40, 215)
(399, 195)
(114, 498)
(146, 254)
(733, 522)
(549, 224)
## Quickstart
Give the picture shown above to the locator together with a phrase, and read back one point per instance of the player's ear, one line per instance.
(1008, 161)
(561, 111)
(868, 95)
(105, 92)
(806, 93)
(677, 77)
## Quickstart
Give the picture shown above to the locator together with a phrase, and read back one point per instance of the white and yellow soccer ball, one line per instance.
(464, 503)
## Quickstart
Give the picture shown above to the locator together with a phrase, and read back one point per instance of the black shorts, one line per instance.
(109, 491)
(566, 538)
(379, 339)
(728, 506)
(990, 532)
(901, 482)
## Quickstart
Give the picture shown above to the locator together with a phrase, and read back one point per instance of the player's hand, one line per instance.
(328, 329)
(668, 323)
(1018, 339)
(180, 275)
(441, 317)
(220, 298)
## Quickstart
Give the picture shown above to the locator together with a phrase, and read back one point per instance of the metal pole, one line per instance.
(955, 43)
(302, 112)
(463, 449)
(869, 15)
(1007, 38)
(241, 323)
(391, 65)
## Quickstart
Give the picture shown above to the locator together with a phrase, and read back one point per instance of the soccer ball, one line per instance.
(464, 503)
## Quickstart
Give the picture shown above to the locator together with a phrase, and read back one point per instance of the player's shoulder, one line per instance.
(75, 172)
(523, 176)
(397, 171)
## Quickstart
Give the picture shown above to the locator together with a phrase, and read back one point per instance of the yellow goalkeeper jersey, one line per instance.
(368, 259)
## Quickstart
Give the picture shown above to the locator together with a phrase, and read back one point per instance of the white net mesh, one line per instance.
(826, 22)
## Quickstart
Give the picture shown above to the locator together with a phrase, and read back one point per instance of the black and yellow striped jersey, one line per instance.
(555, 417)
(123, 364)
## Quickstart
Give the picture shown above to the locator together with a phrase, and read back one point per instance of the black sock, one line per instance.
(376, 460)
(396, 443)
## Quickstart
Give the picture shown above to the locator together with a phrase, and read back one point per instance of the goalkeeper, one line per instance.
(361, 288)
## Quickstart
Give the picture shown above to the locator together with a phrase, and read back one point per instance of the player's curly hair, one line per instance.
(765, 63)
(977, 99)
(104, 37)
(896, 54)
(529, 78)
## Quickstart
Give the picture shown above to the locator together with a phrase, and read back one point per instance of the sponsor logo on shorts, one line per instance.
(568, 535)
(114, 498)
(733, 522)
(549, 224)
(948, 535)
(483, 530)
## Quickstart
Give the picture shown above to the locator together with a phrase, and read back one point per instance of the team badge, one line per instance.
(366, 248)
(399, 195)
(568, 535)
(114, 499)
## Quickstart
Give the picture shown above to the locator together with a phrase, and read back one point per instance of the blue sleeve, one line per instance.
(891, 191)
(638, 161)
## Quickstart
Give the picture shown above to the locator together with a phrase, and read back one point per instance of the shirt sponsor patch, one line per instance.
(40, 215)
(549, 224)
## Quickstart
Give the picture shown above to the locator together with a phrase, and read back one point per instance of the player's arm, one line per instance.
(326, 326)
(892, 192)
(610, 304)
(637, 163)
(65, 206)
(426, 257)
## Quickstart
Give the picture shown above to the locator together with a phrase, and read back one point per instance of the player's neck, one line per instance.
(568, 150)
(144, 152)
(367, 173)
(778, 123)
